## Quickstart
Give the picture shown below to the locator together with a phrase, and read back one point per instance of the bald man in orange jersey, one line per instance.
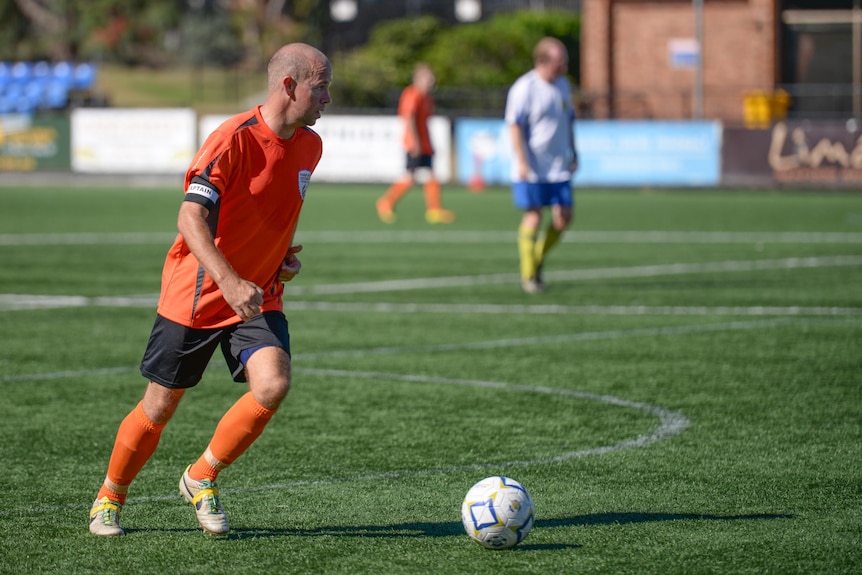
(222, 285)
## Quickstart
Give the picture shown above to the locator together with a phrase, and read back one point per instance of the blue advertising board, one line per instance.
(611, 153)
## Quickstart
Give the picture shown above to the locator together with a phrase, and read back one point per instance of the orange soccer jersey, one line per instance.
(414, 103)
(253, 183)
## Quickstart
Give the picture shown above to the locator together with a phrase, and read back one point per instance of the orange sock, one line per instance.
(237, 430)
(432, 195)
(136, 442)
(396, 190)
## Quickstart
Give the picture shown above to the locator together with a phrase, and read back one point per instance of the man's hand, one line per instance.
(523, 171)
(244, 297)
(290, 265)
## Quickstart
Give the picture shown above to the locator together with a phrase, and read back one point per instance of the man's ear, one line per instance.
(289, 86)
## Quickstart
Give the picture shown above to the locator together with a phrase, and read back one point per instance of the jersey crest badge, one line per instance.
(304, 179)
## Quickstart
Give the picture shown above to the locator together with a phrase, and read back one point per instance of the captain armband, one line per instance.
(200, 191)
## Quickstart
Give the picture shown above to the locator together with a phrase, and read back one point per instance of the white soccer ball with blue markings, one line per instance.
(497, 513)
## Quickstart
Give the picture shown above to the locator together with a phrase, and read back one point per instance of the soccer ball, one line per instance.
(497, 513)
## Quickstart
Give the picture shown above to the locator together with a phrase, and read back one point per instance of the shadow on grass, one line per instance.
(452, 528)
(611, 518)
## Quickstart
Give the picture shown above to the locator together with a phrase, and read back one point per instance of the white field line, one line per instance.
(12, 302)
(87, 239)
(16, 302)
(459, 237)
(455, 347)
(579, 275)
(670, 423)
(575, 236)
(20, 302)
(553, 309)
(554, 339)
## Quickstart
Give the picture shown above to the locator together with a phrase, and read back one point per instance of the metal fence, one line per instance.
(731, 104)
(728, 104)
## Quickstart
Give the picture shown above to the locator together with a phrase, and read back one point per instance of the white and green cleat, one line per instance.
(204, 496)
(105, 518)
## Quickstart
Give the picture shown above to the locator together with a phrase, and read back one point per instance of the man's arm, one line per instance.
(244, 297)
(413, 130)
(519, 147)
(574, 162)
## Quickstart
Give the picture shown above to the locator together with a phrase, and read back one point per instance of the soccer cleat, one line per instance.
(105, 518)
(439, 216)
(385, 212)
(532, 286)
(203, 495)
(539, 281)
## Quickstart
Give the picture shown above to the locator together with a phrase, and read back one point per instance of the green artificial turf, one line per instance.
(685, 398)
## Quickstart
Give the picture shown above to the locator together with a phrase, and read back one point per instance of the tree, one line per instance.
(129, 31)
(31, 19)
(474, 63)
(369, 76)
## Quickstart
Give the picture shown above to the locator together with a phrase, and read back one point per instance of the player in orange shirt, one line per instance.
(222, 285)
(415, 107)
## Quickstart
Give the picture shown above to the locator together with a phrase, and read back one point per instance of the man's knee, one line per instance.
(160, 402)
(268, 371)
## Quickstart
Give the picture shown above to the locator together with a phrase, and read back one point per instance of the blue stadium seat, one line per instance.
(41, 71)
(26, 105)
(56, 96)
(7, 105)
(63, 72)
(26, 87)
(85, 76)
(5, 74)
(14, 90)
(34, 89)
(21, 72)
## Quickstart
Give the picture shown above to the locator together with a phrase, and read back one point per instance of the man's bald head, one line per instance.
(551, 58)
(299, 61)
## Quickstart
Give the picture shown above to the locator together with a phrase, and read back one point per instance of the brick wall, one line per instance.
(739, 54)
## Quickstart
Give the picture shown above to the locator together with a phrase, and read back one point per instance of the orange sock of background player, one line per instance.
(396, 190)
(136, 442)
(237, 430)
(432, 195)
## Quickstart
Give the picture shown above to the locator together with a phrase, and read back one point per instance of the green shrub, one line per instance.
(467, 58)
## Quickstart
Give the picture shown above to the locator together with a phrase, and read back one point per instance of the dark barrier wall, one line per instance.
(825, 154)
(29, 143)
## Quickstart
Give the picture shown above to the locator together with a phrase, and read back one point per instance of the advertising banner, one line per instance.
(366, 149)
(34, 143)
(797, 153)
(648, 153)
(610, 153)
(144, 141)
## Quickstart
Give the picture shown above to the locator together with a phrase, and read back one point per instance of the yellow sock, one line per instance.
(545, 243)
(527, 252)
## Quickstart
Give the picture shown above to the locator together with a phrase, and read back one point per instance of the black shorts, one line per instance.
(177, 356)
(414, 162)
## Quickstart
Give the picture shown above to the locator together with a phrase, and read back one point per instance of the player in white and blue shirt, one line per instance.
(540, 115)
